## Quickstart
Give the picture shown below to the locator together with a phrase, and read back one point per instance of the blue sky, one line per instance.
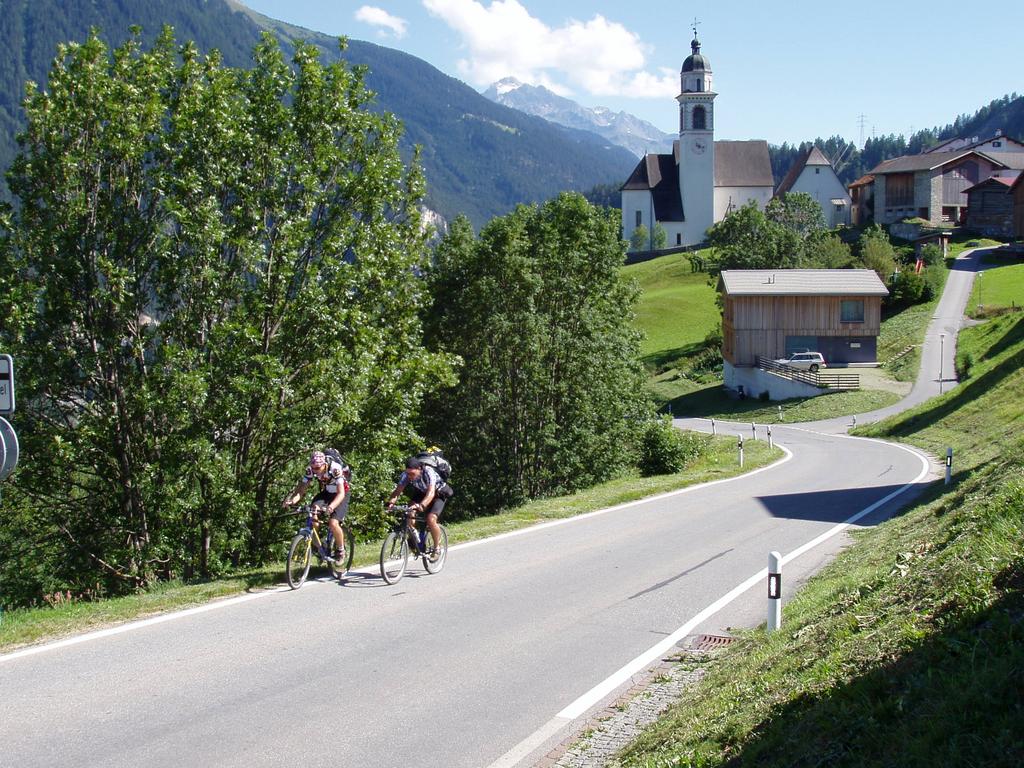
(784, 72)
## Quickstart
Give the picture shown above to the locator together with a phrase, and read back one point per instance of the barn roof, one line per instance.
(802, 282)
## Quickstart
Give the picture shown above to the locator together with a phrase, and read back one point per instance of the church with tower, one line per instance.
(702, 180)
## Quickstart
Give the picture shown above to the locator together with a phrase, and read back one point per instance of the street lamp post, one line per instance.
(942, 343)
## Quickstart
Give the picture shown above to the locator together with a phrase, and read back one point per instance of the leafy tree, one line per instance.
(747, 239)
(219, 274)
(877, 253)
(660, 237)
(931, 254)
(640, 240)
(828, 251)
(538, 311)
(797, 212)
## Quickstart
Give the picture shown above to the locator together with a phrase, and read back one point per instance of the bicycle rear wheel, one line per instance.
(299, 557)
(434, 562)
(340, 569)
(394, 557)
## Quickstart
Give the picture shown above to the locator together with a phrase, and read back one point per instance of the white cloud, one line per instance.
(384, 21)
(598, 56)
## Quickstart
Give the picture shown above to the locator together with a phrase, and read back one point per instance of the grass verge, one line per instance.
(712, 402)
(908, 650)
(32, 625)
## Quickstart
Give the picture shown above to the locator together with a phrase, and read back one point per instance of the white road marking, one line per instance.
(644, 660)
(134, 625)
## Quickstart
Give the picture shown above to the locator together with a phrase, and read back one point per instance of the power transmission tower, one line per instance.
(862, 121)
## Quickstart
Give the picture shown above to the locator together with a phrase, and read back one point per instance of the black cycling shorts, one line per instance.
(324, 498)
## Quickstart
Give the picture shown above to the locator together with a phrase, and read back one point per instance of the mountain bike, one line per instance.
(406, 538)
(307, 543)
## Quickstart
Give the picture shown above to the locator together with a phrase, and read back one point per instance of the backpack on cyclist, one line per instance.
(346, 469)
(434, 458)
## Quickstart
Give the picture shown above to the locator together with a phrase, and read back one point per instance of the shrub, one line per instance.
(964, 363)
(665, 449)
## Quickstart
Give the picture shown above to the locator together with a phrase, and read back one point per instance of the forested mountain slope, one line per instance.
(480, 158)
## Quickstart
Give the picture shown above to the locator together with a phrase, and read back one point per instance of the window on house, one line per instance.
(699, 118)
(817, 170)
(997, 143)
(639, 218)
(679, 238)
(852, 311)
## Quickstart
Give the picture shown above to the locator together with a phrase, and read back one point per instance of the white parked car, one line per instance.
(805, 361)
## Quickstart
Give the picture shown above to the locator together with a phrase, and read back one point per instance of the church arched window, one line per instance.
(699, 119)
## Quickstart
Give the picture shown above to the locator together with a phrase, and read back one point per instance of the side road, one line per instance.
(619, 723)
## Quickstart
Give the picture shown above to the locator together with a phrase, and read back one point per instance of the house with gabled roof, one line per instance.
(1017, 193)
(772, 313)
(990, 206)
(813, 174)
(702, 180)
(862, 197)
(996, 143)
(932, 185)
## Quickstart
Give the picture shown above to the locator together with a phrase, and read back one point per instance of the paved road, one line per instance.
(475, 666)
(933, 377)
(517, 628)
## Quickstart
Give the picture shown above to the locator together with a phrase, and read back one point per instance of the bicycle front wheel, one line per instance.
(394, 557)
(434, 560)
(299, 557)
(340, 569)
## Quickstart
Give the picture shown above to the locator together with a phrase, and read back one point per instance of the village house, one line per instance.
(862, 200)
(1017, 193)
(772, 313)
(933, 185)
(990, 207)
(813, 174)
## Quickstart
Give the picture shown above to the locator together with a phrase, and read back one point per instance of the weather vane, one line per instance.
(695, 25)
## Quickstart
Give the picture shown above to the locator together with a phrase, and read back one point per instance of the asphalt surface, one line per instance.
(453, 669)
(460, 668)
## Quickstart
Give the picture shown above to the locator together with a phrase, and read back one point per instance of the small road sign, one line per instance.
(6, 384)
(9, 452)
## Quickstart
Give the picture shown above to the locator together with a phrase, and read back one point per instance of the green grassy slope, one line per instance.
(677, 309)
(909, 649)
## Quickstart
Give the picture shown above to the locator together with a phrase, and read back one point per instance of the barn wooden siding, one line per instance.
(759, 325)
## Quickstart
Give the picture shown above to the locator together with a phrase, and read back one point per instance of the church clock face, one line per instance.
(698, 146)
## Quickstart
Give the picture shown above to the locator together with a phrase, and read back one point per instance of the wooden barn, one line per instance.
(773, 312)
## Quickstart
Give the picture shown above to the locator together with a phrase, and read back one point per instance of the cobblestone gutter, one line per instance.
(620, 723)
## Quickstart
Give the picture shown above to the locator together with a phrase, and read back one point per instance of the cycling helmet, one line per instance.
(317, 459)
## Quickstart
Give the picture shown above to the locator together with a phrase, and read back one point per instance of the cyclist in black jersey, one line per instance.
(428, 493)
(333, 495)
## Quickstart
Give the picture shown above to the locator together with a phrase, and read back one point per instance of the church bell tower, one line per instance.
(696, 144)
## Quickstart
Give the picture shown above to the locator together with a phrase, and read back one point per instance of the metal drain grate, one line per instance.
(709, 642)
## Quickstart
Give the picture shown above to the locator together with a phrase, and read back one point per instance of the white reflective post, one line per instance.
(949, 466)
(714, 429)
(770, 443)
(740, 446)
(942, 343)
(774, 591)
(753, 430)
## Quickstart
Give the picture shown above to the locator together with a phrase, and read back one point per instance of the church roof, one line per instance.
(802, 282)
(743, 164)
(811, 156)
(696, 62)
(659, 175)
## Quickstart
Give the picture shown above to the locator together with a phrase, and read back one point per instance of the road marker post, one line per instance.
(714, 429)
(949, 466)
(774, 591)
(855, 421)
(780, 413)
(740, 446)
(770, 443)
(753, 430)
